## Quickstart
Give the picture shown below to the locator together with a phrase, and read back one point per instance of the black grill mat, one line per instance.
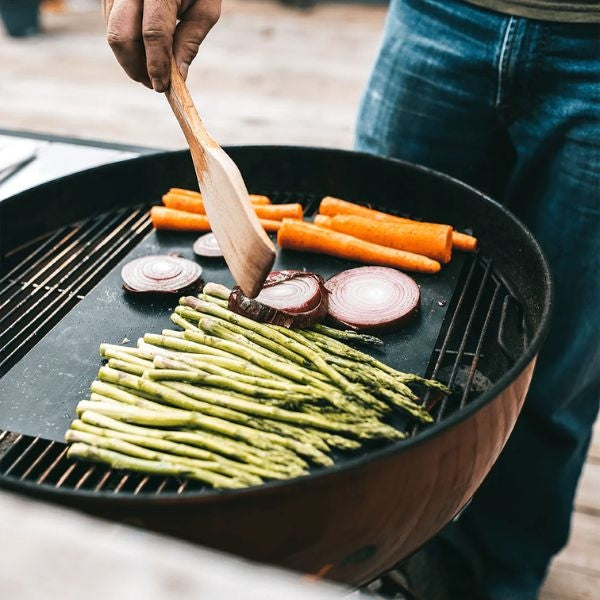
(39, 394)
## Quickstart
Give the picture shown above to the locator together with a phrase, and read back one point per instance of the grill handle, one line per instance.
(509, 300)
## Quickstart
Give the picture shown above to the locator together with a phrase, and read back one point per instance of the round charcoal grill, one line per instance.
(62, 246)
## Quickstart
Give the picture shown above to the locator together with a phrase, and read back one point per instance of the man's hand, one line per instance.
(144, 34)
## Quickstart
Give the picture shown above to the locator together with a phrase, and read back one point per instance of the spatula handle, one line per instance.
(183, 106)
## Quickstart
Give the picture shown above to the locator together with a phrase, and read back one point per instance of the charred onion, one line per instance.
(288, 298)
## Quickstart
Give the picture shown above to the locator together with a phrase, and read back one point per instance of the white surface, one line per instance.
(51, 553)
(53, 159)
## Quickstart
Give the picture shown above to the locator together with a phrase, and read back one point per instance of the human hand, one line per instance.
(144, 34)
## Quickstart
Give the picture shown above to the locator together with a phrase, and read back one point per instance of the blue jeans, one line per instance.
(512, 106)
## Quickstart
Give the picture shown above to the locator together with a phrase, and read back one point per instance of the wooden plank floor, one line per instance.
(266, 74)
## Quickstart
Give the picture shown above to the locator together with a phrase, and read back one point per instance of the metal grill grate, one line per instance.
(58, 271)
(37, 292)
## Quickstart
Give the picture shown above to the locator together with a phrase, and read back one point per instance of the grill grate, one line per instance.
(55, 276)
(51, 275)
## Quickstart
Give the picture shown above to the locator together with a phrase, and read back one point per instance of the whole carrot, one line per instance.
(428, 239)
(254, 198)
(171, 219)
(267, 211)
(331, 206)
(299, 235)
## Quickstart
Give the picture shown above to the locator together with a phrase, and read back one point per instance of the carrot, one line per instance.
(322, 221)
(279, 211)
(464, 242)
(270, 224)
(335, 206)
(178, 220)
(428, 239)
(164, 217)
(274, 212)
(183, 202)
(254, 198)
(299, 235)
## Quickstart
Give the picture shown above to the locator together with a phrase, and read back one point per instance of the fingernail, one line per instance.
(158, 85)
(183, 69)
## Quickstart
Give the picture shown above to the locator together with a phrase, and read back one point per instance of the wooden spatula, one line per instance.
(247, 249)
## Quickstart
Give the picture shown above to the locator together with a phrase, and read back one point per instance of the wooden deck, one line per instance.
(266, 74)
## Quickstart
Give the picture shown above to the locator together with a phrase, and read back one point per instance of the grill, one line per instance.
(486, 335)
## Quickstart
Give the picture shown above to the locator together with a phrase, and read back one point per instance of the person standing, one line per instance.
(505, 96)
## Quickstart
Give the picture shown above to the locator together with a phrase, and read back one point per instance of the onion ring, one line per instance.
(206, 245)
(372, 298)
(161, 274)
(288, 298)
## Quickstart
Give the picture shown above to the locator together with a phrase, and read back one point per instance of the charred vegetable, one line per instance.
(288, 298)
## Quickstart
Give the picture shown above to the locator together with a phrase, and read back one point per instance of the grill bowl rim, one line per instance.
(349, 464)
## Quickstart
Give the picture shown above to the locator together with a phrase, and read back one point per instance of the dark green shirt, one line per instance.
(584, 11)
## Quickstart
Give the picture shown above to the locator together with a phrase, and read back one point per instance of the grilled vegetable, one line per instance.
(288, 298)
(174, 192)
(427, 239)
(194, 204)
(162, 274)
(372, 298)
(178, 220)
(207, 246)
(298, 235)
(334, 206)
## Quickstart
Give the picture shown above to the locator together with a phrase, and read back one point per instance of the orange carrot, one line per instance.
(299, 235)
(322, 221)
(254, 198)
(164, 217)
(274, 212)
(427, 239)
(270, 224)
(335, 206)
(177, 220)
(464, 242)
(279, 211)
(183, 202)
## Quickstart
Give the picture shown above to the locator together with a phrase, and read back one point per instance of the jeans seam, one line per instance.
(503, 60)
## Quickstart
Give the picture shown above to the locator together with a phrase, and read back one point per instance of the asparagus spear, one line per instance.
(280, 460)
(202, 377)
(260, 341)
(275, 336)
(347, 335)
(180, 362)
(206, 361)
(128, 367)
(167, 447)
(241, 427)
(133, 447)
(286, 370)
(118, 460)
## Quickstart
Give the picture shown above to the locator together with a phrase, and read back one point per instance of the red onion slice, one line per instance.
(372, 298)
(162, 274)
(207, 245)
(295, 295)
(288, 298)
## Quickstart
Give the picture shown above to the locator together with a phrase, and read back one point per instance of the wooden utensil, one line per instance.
(247, 249)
